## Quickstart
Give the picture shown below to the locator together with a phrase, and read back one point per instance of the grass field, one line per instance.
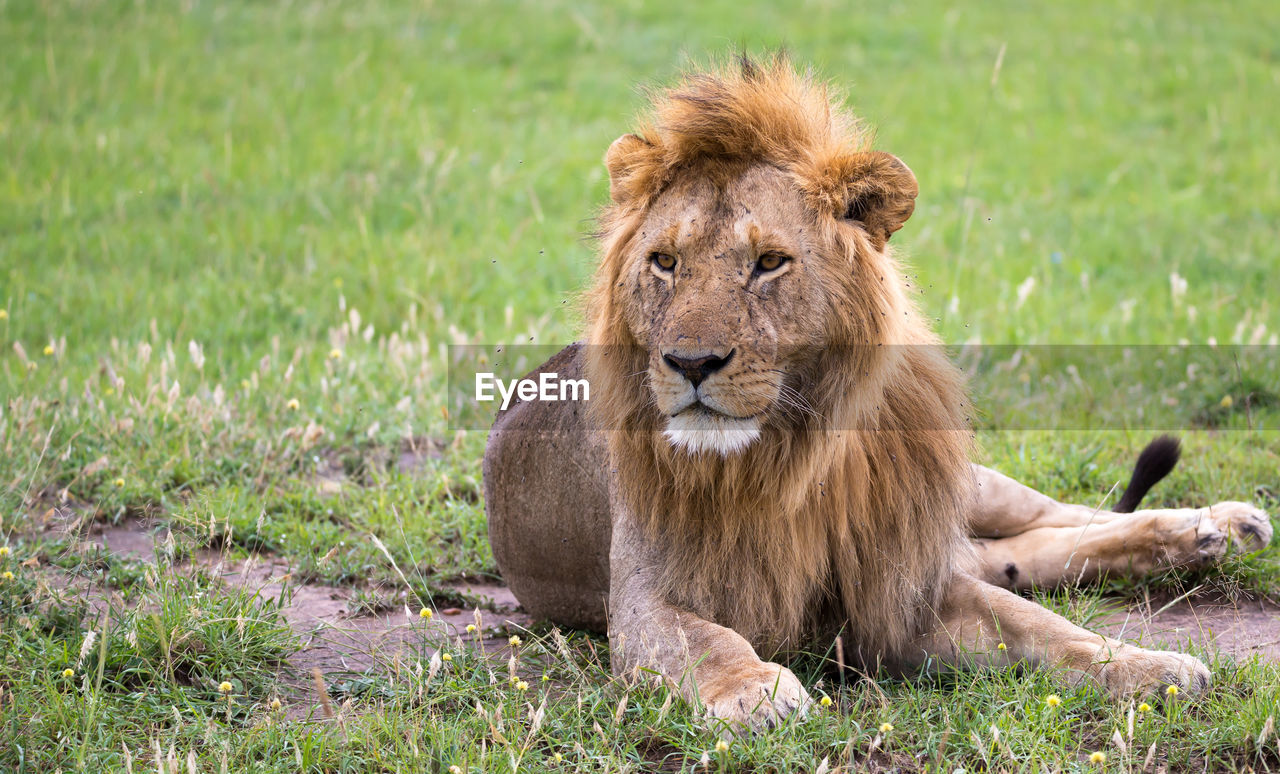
(236, 239)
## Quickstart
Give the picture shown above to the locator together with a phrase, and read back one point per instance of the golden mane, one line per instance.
(857, 506)
(766, 113)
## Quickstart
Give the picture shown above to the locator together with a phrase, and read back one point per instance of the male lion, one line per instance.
(758, 470)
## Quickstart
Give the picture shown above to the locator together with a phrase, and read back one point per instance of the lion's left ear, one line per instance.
(879, 192)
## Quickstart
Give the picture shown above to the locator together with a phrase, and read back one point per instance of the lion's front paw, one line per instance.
(1135, 670)
(756, 698)
(1249, 527)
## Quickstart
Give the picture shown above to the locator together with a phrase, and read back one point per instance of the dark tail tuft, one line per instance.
(1154, 463)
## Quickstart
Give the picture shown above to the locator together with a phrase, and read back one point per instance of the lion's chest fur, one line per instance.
(774, 590)
(860, 539)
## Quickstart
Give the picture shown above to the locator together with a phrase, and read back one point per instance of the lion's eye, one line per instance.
(770, 262)
(663, 261)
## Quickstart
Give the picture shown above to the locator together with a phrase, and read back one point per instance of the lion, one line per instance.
(775, 452)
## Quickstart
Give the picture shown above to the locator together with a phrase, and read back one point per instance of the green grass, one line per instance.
(324, 196)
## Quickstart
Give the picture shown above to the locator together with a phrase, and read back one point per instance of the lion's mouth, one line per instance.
(700, 406)
(701, 428)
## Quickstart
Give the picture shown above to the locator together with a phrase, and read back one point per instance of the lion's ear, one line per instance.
(627, 159)
(880, 193)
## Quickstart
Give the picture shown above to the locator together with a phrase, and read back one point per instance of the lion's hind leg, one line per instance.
(1127, 546)
(1025, 539)
(1005, 507)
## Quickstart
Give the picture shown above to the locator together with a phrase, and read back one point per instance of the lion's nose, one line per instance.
(697, 368)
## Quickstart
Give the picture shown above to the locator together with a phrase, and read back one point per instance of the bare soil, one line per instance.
(1240, 627)
(334, 640)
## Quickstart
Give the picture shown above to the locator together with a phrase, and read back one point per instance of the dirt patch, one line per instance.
(339, 643)
(134, 539)
(415, 454)
(308, 606)
(339, 468)
(334, 639)
(1240, 627)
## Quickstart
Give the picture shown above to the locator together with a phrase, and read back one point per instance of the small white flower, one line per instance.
(1177, 287)
(86, 646)
(197, 354)
(1024, 291)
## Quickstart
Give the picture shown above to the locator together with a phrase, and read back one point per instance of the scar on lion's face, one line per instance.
(724, 273)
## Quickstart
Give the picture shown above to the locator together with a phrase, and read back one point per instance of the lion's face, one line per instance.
(723, 289)
(747, 238)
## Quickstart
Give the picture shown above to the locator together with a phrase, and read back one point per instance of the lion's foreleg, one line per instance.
(982, 625)
(712, 666)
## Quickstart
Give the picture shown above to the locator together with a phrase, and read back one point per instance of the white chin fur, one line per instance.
(697, 431)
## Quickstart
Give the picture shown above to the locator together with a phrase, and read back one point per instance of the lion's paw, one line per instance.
(757, 699)
(1202, 536)
(1249, 528)
(1139, 671)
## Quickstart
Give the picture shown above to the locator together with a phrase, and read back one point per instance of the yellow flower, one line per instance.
(471, 628)
(335, 354)
(68, 672)
(886, 728)
(1144, 707)
(1052, 700)
(514, 641)
(446, 657)
(825, 701)
(7, 575)
(1098, 757)
(546, 677)
(275, 704)
(521, 685)
(722, 746)
(425, 613)
(1226, 401)
(558, 757)
(48, 350)
(4, 551)
(1001, 646)
(293, 404)
(4, 314)
(225, 686)
(119, 483)
(1171, 690)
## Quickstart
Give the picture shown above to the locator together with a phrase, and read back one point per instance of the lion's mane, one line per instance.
(850, 515)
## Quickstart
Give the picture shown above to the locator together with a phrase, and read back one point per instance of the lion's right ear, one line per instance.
(629, 161)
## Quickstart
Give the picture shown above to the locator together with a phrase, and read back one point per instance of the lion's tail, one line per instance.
(1154, 463)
